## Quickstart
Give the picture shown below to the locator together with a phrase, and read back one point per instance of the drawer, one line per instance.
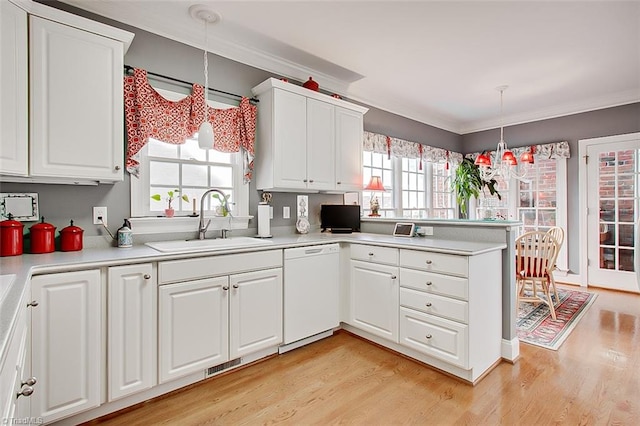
(429, 282)
(444, 307)
(375, 254)
(450, 264)
(203, 267)
(436, 337)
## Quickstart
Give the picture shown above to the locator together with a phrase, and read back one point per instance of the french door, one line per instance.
(613, 201)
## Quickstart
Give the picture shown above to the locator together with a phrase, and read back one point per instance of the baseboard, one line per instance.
(510, 350)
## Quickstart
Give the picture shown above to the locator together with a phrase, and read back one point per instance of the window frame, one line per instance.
(146, 221)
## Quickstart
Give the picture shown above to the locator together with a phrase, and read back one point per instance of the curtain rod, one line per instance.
(129, 68)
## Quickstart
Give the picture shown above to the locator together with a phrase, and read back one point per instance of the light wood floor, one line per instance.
(594, 378)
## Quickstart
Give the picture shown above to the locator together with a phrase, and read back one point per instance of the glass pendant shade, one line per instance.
(527, 157)
(483, 160)
(205, 135)
(509, 158)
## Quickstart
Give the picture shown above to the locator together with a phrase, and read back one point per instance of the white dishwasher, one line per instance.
(311, 293)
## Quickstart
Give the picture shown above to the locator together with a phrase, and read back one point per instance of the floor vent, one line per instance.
(218, 368)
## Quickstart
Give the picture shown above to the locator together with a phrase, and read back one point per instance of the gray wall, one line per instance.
(571, 128)
(59, 203)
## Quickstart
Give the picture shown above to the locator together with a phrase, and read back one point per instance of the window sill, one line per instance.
(161, 225)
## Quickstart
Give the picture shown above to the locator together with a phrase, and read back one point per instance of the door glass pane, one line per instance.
(607, 258)
(626, 211)
(626, 260)
(625, 235)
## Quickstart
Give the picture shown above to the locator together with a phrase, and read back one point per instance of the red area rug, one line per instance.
(536, 327)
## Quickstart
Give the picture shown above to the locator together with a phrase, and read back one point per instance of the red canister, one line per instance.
(42, 237)
(11, 237)
(71, 238)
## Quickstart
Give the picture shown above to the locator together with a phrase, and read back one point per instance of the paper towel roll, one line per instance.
(264, 221)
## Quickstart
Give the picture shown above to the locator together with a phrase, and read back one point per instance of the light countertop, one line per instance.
(26, 265)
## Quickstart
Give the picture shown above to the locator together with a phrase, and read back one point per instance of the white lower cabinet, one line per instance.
(131, 342)
(374, 298)
(193, 324)
(66, 343)
(206, 322)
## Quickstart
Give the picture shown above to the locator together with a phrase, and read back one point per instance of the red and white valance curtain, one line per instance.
(394, 147)
(549, 151)
(148, 114)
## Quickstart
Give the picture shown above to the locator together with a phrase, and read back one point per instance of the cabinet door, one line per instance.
(66, 343)
(193, 326)
(256, 311)
(374, 299)
(76, 103)
(348, 150)
(289, 139)
(132, 330)
(13, 86)
(320, 145)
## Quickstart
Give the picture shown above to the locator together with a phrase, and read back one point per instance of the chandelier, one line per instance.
(505, 163)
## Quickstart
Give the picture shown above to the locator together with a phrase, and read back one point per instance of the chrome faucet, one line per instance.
(202, 228)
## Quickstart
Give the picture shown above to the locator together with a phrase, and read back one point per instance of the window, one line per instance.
(166, 167)
(410, 192)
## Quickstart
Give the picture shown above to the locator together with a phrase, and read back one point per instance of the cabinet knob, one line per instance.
(428, 336)
(147, 276)
(429, 262)
(393, 277)
(338, 183)
(304, 180)
(225, 287)
(30, 381)
(236, 286)
(370, 253)
(311, 181)
(428, 304)
(428, 283)
(117, 167)
(26, 391)
(32, 304)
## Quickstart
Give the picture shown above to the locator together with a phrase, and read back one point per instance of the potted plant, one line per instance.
(171, 195)
(468, 183)
(223, 208)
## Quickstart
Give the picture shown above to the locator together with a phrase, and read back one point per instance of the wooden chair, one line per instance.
(557, 233)
(536, 253)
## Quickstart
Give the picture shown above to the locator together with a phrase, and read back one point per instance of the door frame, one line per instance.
(583, 145)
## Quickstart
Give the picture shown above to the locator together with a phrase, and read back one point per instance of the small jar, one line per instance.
(71, 238)
(42, 237)
(11, 238)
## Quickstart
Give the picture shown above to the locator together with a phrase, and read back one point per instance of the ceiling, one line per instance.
(435, 62)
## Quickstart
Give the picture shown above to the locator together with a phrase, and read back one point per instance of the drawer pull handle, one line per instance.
(33, 304)
(428, 304)
(429, 262)
(429, 283)
(26, 391)
(428, 336)
(147, 276)
(225, 288)
(236, 286)
(393, 277)
(370, 253)
(30, 381)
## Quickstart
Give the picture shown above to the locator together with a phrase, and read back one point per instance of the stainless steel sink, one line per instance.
(181, 246)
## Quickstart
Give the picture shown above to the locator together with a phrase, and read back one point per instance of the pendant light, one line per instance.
(205, 132)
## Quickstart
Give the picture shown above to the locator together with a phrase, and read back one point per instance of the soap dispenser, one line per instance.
(125, 235)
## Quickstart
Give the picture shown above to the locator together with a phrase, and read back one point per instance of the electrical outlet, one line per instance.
(286, 212)
(99, 212)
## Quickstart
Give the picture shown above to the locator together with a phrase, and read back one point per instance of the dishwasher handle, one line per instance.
(316, 250)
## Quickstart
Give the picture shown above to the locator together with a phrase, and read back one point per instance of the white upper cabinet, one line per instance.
(307, 140)
(72, 70)
(13, 86)
(76, 103)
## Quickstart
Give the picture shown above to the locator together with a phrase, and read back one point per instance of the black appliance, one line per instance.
(340, 218)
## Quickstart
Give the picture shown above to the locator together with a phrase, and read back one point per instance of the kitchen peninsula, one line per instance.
(458, 280)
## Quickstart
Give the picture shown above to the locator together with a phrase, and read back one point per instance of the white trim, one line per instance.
(165, 225)
(583, 146)
(510, 349)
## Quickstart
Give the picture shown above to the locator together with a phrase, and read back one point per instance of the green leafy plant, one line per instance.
(224, 203)
(468, 183)
(171, 195)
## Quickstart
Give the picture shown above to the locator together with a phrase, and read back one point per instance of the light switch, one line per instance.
(286, 212)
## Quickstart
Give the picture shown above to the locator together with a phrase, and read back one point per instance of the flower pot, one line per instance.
(169, 212)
